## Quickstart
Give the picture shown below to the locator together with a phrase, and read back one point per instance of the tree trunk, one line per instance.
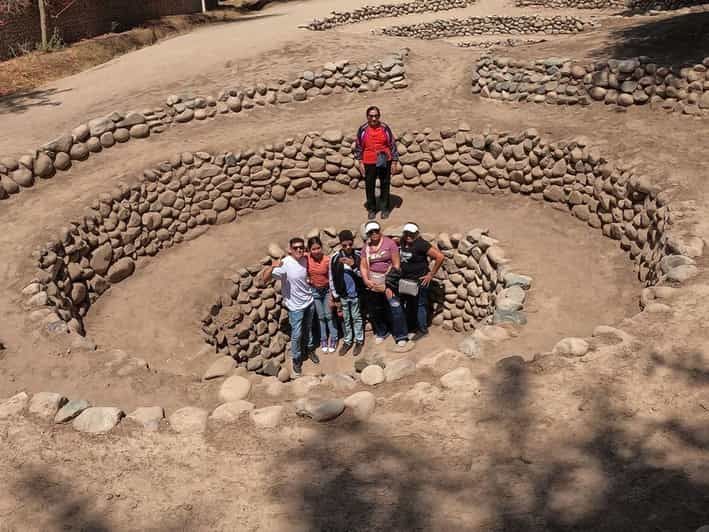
(43, 23)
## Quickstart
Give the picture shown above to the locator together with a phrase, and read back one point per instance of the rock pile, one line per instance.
(340, 18)
(660, 5)
(576, 4)
(119, 127)
(501, 43)
(456, 27)
(180, 198)
(249, 323)
(624, 83)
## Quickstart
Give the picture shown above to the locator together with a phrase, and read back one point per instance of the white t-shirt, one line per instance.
(296, 290)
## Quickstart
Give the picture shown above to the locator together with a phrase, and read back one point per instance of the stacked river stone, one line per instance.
(627, 82)
(499, 44)
(249, 323)
(340, 18)
(119, 127)
(577, 4)
(185, 195)
(456, 27)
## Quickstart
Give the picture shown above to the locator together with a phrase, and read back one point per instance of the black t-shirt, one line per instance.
(414, 259)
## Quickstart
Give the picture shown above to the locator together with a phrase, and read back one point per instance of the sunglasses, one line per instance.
(298, 248)
(372, 116)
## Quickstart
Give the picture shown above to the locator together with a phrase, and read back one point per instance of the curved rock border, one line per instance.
(249, 324)
(511, 43)
(574, 4)
(99, 134)
(620, 83)
(457, 27)
(186, 194)
(341, 18)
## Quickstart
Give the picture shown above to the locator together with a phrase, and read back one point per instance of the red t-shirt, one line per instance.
(375, 141)
(319, 271)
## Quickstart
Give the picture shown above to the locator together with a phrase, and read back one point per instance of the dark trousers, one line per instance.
(371, 174)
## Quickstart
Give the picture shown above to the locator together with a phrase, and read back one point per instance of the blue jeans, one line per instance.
(321, 298)
(384, 312)
(416, 309)
(301, 324)
(352, 320)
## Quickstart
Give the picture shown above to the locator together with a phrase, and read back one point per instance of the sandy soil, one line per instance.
(614, 441)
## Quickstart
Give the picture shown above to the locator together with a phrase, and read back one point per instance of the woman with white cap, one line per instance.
(415, 255)
(380, 258)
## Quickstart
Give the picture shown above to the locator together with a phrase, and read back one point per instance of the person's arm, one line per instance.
(331, 280)
(394, 151)
(437, 256)
(359, 149)
(395, 258)
(272, 270)
(364, 270)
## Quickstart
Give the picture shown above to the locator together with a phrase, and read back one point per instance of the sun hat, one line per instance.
(410, 227)
(371, 226)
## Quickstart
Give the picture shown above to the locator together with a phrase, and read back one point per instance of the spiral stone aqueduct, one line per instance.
(573, 261)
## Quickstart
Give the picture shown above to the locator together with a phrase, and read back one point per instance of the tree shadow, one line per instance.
(675, 41)
(620, 473)
(61, 506)
(20, 102)
(68, 508)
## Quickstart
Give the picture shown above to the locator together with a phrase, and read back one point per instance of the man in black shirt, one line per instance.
(415, 253)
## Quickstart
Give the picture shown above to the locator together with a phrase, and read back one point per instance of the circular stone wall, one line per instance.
(180, 198)
(249, 323)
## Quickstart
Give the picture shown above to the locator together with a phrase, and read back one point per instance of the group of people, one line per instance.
(386, 282)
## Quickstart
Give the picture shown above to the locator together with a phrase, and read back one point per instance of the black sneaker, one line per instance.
(344, 349)
(385, 214)
(357, 349)
(314, 358)
(371, 215)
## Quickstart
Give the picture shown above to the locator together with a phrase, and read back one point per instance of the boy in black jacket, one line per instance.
(346, 285)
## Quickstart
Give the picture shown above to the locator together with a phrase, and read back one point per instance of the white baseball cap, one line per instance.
(372, 226)
(410, 228)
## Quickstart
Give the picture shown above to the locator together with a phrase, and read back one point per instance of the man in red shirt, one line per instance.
(378, 158)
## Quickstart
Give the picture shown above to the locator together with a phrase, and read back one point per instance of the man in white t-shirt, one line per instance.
(292, 271)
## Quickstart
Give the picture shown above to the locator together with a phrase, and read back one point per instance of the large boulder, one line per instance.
(231, 411)
(121, 269)
(235, 388)
(14, 406)
(70, 410)
(149, 417)
(362, 404)
(98, 419)
(398, 369)
(319, 409)
(46, 404)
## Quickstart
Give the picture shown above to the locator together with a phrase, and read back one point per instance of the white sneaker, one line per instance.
(379, 340)
(401, 343)
(411, 335)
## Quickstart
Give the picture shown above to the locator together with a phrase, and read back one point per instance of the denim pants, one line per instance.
(352, 320)
(385, 311)
(416, 309)
(301, 324)
(321, 300)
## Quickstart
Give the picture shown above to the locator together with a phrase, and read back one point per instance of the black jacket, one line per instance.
(337, 274)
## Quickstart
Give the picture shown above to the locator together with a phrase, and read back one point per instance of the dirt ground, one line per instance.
(616, 440)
